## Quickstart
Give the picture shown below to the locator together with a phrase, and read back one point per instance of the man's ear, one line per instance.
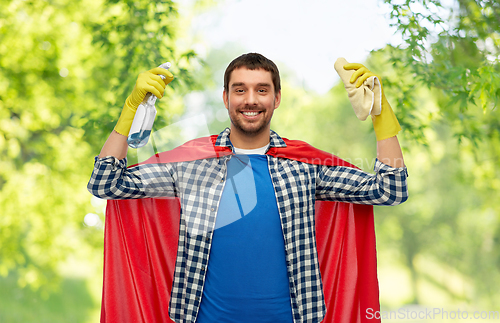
(277, 99)
(225, 99)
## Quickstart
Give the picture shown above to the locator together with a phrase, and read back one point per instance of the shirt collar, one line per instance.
(223, 139)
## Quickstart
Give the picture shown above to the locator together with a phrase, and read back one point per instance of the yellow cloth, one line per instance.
(365, 100)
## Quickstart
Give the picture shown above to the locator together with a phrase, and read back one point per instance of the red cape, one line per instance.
(141, 236)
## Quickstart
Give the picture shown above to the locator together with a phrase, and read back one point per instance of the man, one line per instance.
(247, 245)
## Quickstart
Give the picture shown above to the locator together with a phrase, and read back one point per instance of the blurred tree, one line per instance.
(454, 50)
(444, 83)
(66, 68)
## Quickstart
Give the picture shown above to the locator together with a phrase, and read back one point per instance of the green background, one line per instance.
(66, 67)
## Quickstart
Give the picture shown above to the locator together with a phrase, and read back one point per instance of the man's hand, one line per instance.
(361, 73)
(149, 81)
(386, 124)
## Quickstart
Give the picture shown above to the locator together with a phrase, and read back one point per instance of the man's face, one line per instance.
(251, 100)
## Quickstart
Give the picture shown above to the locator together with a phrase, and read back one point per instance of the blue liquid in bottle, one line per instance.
(144, 119)
(138, 139)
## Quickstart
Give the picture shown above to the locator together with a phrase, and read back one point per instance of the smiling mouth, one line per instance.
(250, 113)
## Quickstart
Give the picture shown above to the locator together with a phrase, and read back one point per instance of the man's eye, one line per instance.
(239, 91)
(262, 90)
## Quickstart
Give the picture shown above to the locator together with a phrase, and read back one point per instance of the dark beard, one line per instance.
(249, 132)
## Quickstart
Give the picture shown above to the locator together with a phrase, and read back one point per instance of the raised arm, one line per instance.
(389, 152)
(385, 124)
(111, 179)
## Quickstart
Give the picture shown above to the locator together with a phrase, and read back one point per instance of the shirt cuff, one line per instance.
(110, 160)
(386, 169)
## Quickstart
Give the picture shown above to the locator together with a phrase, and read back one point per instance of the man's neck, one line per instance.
(243, 141)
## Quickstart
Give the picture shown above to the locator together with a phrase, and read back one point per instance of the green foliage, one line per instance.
(40, 148)
(444, 84)
(66, 68)
(132, 37)
(455, 52)
(72, 304)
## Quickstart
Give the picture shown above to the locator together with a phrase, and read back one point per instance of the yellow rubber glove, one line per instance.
(149, 81)
(386, 124)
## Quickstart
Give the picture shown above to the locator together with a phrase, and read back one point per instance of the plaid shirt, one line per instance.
(199, 185)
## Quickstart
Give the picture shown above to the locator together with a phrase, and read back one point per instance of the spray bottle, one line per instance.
(144, 119)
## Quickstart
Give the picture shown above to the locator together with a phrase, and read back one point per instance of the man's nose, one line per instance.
(252, 98)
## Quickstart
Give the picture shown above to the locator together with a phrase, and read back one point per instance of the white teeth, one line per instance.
(250, 114)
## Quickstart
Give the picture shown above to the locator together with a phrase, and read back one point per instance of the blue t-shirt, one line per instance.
(247, 279)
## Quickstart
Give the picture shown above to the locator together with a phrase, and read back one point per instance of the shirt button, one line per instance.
(212, 209)
(202, 268)
(222, 180)
(197, 298)
(207, 239)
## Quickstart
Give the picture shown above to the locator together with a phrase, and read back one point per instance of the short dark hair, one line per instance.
(253, 61)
